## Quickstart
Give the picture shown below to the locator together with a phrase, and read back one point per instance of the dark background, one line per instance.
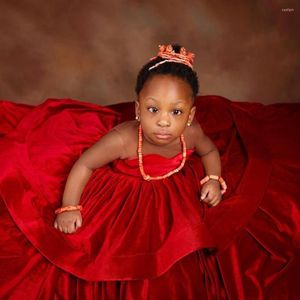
(92, 50)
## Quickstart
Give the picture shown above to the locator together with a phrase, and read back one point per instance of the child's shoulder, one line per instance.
(128, 131)
(127, 128)
(194, 131)
(194, 135)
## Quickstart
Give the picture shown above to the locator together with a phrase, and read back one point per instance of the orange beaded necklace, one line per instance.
(140, 157)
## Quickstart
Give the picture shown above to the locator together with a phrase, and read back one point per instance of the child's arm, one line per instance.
(210, 157)
(107, 149)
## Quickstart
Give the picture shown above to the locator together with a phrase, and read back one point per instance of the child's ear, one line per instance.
(192, 114)
(137, 108)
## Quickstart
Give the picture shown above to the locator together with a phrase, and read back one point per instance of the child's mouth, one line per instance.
(162, 136)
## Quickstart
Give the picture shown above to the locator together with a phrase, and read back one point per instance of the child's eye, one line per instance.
(177, 112)
(152, 109)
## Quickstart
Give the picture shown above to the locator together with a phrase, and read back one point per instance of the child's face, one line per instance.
(165, 105)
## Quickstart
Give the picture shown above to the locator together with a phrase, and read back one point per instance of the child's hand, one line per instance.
(211, 193)
(68, 221)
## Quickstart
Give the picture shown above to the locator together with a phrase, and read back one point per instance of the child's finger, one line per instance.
(209, 200)
(216, 201)
(55, 225)
(210, 203)
(212, 198)
(71, 228)
(204, 194)
(78, 222)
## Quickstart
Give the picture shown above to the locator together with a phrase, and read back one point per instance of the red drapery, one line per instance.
(253, 235)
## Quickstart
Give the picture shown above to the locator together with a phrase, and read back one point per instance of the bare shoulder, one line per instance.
(115, 144)
(196, 128)
(128, 132)
(193, 133)
(199, 140)
(126, 129)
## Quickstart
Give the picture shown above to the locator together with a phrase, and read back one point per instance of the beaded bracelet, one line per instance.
(215, 177)
(68, 208)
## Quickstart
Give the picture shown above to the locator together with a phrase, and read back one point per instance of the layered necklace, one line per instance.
(140, 157)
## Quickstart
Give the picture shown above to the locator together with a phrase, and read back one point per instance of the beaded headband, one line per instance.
(167, 52)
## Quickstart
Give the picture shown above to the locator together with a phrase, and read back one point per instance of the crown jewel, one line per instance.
(167, 52)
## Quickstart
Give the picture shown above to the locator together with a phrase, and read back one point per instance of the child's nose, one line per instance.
(164, 120)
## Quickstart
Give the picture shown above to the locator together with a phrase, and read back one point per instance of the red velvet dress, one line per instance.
(150, 240)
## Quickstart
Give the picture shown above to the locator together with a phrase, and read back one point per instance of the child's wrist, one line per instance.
(68, 208)
(215, 177)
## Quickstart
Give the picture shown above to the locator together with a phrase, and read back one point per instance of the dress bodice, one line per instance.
(154, 164)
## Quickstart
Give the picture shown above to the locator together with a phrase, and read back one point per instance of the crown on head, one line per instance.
(167, 52)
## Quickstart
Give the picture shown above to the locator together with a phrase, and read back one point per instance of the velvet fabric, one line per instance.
(150, 240)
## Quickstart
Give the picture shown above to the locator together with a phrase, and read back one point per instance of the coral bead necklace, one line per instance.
(140, 158)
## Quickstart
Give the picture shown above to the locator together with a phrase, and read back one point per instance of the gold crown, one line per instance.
(167, 52)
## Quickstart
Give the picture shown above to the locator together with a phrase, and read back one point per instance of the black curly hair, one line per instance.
(179, 70)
